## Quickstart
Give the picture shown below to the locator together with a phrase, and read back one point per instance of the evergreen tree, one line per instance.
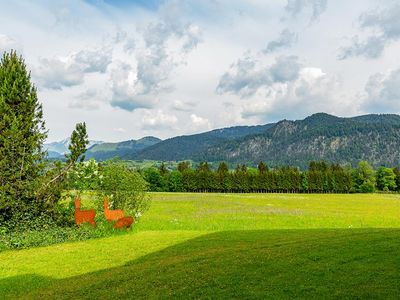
(183, 166)
(262, 167)
(22, 134)
(203, 167)
(163, 169)
(222, 168)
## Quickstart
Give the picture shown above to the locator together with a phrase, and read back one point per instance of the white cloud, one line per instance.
(248, 75)
(90, 99)
(159, 50)
(312, 91)
(383, 93)
(286, 39)
(386, 26)
(59, 72)
(316, 7)
(200, 123)
(158, 120)
(127, 93)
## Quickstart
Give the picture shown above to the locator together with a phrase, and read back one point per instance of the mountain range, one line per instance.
(375, 138)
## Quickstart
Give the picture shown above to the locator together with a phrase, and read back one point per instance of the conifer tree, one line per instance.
(22, 133)
(262, 168)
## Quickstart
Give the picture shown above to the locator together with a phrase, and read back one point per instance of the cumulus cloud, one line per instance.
(165, 46)
(284, 88)
(383, 93)
(248, 75)
(286, 39)
(126, 93)
(199, 123)
(312, 91)
(316, 7)
(158, 120)
(159, 59)
(371, 48)
(7, 44)
(59, 72)
(385, 23)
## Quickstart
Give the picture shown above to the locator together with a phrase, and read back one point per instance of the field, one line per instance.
(226, 246)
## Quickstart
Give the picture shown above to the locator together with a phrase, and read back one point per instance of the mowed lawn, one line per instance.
(226, 246)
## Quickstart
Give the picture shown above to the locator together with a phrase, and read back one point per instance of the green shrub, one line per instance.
(43, 230)
(125, 188)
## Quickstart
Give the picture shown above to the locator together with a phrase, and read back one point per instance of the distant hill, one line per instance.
(58, 149)
(375, 138)
(122, 150)
(190, 146)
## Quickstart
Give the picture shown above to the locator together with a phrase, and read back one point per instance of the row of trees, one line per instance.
(319, 178)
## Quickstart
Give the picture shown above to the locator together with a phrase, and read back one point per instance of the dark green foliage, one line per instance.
(320, 178)
(22, 134)
(174, 181)
(155, 180)
(33, 230)
(386, 179)
(262, 167)
(396, 171)
(183, 166)
(78, 144)
(163, 169)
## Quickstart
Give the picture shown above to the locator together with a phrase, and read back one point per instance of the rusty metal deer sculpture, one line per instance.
(112, 215)
(125, 222)
(118, 216)
(82, 216)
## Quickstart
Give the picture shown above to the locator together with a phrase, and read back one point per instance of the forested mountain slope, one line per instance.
(375, 138)
(122, 150)
(190, 146)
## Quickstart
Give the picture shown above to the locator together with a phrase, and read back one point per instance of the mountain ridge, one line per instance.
(321, 136)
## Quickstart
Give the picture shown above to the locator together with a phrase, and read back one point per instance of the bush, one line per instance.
(43, 230)
(125, 188)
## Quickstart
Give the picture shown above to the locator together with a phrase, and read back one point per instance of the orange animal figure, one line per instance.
(124, 222)
(112, 215)
(82, 216)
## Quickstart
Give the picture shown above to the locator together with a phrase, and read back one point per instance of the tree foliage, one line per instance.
(319, 178)
(22, 133)
(386, 179)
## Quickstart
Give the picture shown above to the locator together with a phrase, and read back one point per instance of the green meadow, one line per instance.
(281, 246)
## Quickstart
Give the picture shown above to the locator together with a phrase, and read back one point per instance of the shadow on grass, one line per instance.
(321, 263)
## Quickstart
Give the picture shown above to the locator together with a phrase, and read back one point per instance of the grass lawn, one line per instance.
(226, 246)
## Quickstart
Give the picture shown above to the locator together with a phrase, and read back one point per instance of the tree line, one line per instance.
(320, 177)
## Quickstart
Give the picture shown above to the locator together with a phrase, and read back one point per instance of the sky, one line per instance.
(164, 68)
